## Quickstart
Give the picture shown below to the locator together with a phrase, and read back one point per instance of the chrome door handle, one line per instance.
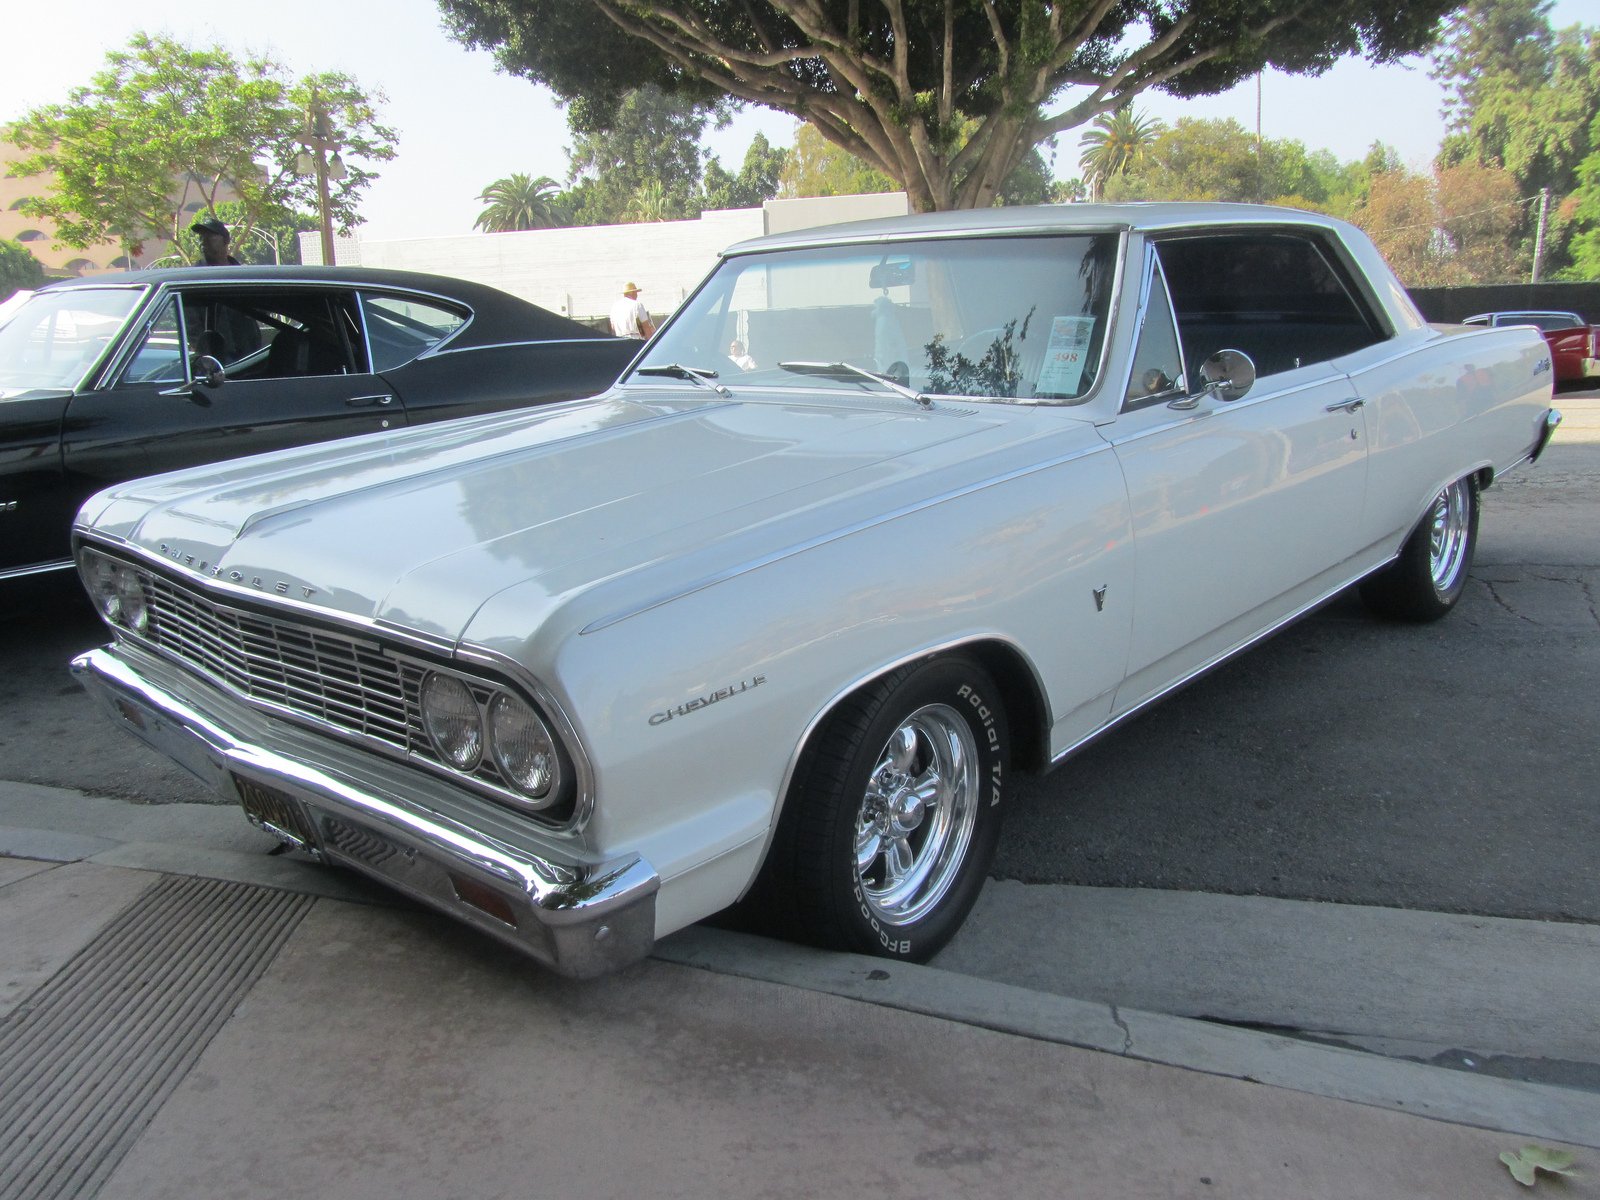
(368, 401)
(1348, 406)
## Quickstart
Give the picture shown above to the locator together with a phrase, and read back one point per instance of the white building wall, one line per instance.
(579, 271)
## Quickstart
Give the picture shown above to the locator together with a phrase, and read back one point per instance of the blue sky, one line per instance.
(463, 124)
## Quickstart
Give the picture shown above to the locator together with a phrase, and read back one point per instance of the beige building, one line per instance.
(38, 235)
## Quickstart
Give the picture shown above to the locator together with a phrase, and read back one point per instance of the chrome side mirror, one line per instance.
(1228, 374)
(207, 370)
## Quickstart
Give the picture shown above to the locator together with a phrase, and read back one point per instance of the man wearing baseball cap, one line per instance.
(629, 317)
(214, 239)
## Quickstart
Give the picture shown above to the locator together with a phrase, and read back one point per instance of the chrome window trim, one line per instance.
(444, 302)
(1152, 266)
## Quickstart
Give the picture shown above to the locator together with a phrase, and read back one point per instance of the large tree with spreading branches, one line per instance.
(945, 96)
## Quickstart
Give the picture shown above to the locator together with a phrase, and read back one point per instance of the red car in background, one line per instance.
(1574, 343)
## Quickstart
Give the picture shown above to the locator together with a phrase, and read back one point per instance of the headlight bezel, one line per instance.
(490, 765)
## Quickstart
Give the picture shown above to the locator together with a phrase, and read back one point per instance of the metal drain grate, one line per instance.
(91, 1056)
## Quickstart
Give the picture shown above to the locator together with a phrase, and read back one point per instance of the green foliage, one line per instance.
(521, 202)
(18, 268)
(639, 155)
(817, 167)
(1221, 160)
(1582, 212)
(1117, 141)
(877, 81)
(165, 125)
(1523, 96)
(1525, 1164)
(756, 182)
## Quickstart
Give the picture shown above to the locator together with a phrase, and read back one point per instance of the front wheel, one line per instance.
(1430, 574)
(890, 827)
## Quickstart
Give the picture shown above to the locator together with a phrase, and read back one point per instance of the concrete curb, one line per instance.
(1534, 1110)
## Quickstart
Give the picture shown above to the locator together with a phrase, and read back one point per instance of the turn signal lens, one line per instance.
(523, 747)
(451, 717)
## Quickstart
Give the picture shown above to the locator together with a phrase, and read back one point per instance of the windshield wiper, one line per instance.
(695, 375)
(844, 370)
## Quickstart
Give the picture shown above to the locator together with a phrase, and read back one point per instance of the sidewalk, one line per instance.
(182, 1015)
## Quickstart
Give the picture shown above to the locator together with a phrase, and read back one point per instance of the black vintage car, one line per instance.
(116, 376)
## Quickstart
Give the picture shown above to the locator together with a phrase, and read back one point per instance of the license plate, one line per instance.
(276, 811)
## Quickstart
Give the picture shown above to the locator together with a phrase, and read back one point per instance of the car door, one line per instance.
(294, 369)
(1244, 511)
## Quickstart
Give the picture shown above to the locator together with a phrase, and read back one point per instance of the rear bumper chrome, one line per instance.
(1547, 430)
(456, 852)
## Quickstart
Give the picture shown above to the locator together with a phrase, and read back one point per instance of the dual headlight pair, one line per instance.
(504, 728)
(465, 728)
(116, 591)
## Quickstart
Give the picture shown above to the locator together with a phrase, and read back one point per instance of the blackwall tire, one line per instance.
(1426, 580)
(890, 826)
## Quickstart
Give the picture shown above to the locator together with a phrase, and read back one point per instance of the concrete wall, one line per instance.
(579, 271)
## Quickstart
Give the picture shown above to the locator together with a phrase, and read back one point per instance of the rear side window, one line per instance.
(1279, 297)
(400, 327)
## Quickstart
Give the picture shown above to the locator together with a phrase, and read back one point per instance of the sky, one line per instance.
(463, 123)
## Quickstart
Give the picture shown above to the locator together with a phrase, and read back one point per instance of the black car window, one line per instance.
(1276, 296)
(275, 334)
(159, 358)
(401, 327)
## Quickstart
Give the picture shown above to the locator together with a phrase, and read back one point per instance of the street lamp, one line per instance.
(321, 158)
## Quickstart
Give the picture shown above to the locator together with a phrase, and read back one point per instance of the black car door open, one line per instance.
(293, 369)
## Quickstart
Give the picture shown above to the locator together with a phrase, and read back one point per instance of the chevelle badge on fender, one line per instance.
(780, 631)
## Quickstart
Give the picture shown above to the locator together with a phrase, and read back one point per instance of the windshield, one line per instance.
(1008, 318)
(55, 337)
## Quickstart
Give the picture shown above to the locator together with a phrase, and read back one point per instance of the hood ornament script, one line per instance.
(280, 587)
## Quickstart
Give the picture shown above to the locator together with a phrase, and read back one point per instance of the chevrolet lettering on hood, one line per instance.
(885, 516)
(282, 587)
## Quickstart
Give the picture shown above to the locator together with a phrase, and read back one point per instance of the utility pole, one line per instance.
(1538, 237)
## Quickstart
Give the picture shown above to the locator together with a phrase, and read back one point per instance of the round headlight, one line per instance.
(100, 578)
(452, 719)
(523, 747)
(130, 599)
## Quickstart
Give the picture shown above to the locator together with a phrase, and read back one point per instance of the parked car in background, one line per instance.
(115, 376)
(782, 630)
(1574, 343)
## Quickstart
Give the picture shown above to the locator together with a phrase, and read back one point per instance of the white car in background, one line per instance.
(782, 632)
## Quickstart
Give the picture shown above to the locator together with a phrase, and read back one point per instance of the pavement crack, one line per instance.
(1127, 1034)
(1494, 594)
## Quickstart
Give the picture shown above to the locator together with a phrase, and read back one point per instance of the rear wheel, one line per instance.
(890, 827)
(1430, 574)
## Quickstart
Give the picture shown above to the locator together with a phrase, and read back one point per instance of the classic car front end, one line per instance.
(778, 628)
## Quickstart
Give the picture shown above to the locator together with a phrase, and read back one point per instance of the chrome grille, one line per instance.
(327, 675)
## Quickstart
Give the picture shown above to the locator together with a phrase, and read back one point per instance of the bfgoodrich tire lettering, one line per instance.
(891, 824)
(1430, 574)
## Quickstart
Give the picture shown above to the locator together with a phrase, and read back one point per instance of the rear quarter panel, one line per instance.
(456, 383)
(1442, 403)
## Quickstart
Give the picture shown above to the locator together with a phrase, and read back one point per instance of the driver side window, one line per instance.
(1157, 359)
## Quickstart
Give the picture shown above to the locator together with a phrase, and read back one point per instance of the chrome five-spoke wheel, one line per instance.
(917, 815)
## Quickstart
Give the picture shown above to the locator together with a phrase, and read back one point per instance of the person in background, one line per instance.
(740, 359)
(629, 317)
(214, 241)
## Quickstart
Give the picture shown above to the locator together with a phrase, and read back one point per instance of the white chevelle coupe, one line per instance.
(775, 623)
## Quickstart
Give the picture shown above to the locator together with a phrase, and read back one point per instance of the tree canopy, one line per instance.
(165, 126)
(946, 97)
(18, 268)
(639, 161)
(521, 202)
(1525, 97)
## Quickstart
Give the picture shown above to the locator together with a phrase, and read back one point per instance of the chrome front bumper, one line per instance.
(456, 852)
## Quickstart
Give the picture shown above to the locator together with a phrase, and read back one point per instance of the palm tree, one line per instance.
(1117, 141)
(519, 202)
(650, 202)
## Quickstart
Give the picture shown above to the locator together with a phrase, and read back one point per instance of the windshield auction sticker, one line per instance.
(1062, 370)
